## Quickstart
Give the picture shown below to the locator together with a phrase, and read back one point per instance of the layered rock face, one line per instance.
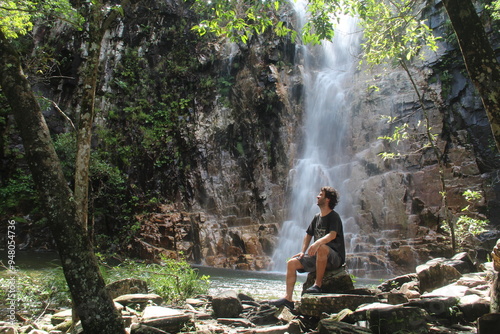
(224, 164)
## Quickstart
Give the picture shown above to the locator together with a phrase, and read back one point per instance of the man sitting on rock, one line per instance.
(327, 252)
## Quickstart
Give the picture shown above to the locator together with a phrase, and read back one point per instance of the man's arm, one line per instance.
(323, 241)
(305, 244)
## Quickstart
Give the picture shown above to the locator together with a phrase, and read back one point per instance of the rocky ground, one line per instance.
(443, 296)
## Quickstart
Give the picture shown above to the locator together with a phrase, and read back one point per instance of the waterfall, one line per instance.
(328, 69)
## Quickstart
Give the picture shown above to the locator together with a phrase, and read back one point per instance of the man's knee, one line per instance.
(323, 250)
(294, 264)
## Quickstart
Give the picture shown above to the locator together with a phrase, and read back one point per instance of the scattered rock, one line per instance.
(8, 330)
(315, 305)
(473, 307)
(236, 322)
(395, 298)
(438, 306)
(489, 323)
(140, 299)
(328, 326)
(227, 305)
(144, 329)
(398, 319)
(61, 317)
(263, 315)
(164, 318)
(437, 273)
(127, 286)
(397, 282)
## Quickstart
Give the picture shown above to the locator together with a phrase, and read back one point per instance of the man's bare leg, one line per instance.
(291, 277)
(321, 259)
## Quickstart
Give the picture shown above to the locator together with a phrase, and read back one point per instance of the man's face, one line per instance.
(322, 200)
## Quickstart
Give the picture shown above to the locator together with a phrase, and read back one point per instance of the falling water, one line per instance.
(328, 70)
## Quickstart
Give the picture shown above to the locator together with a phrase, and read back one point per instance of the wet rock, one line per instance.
(127, 286)
(395, 298)
(398, 319)
(489, 323)
(315, 305)
(140, 299)
(166, 319)
(144, 329)
(334, 281)
(263, 315)
(411, 290)
(227, 305)
(437, 273)
(439, 306)
(328, 326)
(8, 330)
(61, 317)
(462, 262)
(397, 282)
(473, 307)
(236, 322)
(291, 328)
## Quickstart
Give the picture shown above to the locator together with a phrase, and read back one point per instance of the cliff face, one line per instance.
(206, 132)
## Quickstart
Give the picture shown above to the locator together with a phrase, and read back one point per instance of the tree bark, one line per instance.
(89, 73)
(479, 57)
(93, 304)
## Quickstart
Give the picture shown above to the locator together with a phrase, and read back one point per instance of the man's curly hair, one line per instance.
(331, 194)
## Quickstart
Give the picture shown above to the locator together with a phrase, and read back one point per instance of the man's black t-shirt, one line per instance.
(321, 226)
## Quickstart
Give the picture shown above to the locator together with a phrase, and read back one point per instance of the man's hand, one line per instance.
(298, 256)
(313, 249)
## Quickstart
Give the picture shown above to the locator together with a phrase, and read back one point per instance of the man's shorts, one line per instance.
(309, 262)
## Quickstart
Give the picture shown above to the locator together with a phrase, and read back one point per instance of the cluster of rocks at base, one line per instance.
(443, 296)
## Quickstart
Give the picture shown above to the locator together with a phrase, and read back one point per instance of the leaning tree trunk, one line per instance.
(479, 57)
(92, 301)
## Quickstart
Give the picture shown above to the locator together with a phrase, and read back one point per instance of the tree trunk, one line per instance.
(92, 37)
(479, 57)
(93, 303)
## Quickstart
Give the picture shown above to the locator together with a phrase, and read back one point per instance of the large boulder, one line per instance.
(127, 286)
(398, 319)
(437, 273)
(164, 318)
(316, 305)
(334, 281)
(227, 305)
(473, 307)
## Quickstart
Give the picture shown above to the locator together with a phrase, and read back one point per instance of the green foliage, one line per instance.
(494, 8)
(18, 193)
(239, 21)
(403, 132)
(108, 191)
(470, 222)
(17, 16)
(393, 30)
(36, 290)
(173, 280)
